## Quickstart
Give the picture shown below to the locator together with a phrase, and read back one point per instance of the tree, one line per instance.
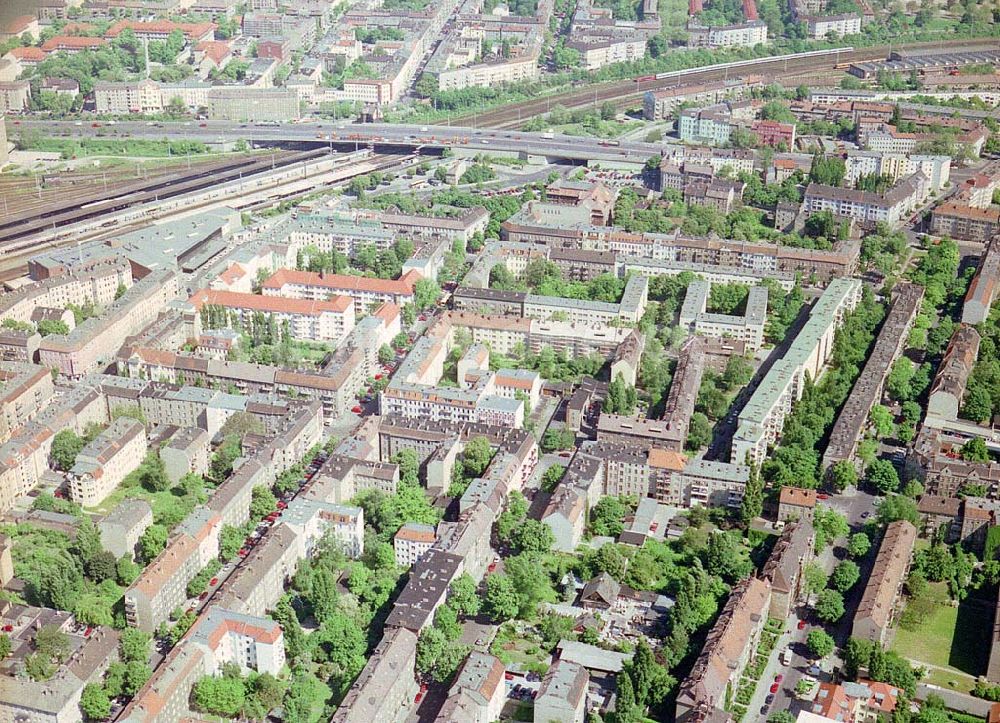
(477, 455)
(625, 704)
(134, 645)
(827, 170)
(262, 502)
(858, 545)
(727, 556)
(650, 681)
(230, 541)
(501, 601)
(463, 596)
(830, 525)
(815, 578)
(882, 420)
(606, 518)
(898, 507)
(699, 432)
(898, 384)
(219, 695)
(425, 293)
(829, 606)
(843, 475)
(819, 643)
(137, 672)
(533, 536)
(844, 576)
(94, 702)
(978, 404)
(152, 542)
(975, 450)
(153, 473)
(52, 326)
(6, 646)
(753, 498)
(781, 716)
(882, 475)
(66, 445)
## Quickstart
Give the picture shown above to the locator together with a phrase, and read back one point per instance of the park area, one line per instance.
(931, 633)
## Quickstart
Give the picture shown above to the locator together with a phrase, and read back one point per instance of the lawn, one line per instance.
(942, 638)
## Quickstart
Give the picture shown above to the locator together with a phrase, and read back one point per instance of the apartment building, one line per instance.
(412, 541)
(706, 483)
(166, 695)
(877, 609)
(248, 641)
(244, 104)
(97, 339)
(729, 647)
(15, 96)
(306, 319)
(54, 698)
(597, 51)
(366, 292)
(762, 419)
(661, 104)
(260, 580)
(162, 586)
(72, 44)
(562, 695)
(478, 693)
(796, 504)
(982, 290)
(386, 687)
(891, 207)
(311, 520)
(532, 226)
(712, 124)
(103, 464)
(141, 96)
(819, 27)
(964, 222)
(162, 29)
(774, 134)
(849, 428)
(683, 393)
(740, 35)
(785, 567)
(748, 327)
(948, 387)
(24, 390)
(937, 169)
(484, 75)
(186, 452)
(122, 527)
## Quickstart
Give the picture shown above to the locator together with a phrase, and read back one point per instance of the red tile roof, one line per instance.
(75, 42)
(402, 285)
(29, 54)
(278, 304)
(192, 31)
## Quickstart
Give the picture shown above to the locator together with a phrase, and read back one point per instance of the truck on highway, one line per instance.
(548, 134)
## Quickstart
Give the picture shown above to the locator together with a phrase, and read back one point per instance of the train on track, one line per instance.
(835, 52)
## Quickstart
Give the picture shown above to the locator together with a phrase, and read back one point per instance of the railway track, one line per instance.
(15, 263)
(511, 116)
(14, 227)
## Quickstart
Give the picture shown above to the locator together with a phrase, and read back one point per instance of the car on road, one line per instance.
(822, 496)
(763, 710)
(778, 678)
(769, 699)
(801, 625)
(214, 581)
(774, 687)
